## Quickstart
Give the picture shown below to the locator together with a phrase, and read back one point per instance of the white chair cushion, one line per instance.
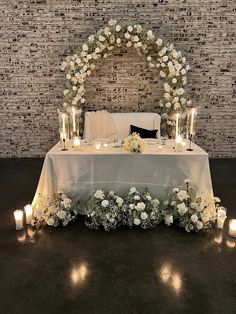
(145, 120)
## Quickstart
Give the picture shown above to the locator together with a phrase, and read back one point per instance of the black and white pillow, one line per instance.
(144, 133)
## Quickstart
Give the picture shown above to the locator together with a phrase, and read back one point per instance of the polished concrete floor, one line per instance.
(77, 270)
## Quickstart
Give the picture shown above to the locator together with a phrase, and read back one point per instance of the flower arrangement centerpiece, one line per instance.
(104, 210)
(189, 209)
(141, 209)
(158, 53)
(60, 210)
(134, 143)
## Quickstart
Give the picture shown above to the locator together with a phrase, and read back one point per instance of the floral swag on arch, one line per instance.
(159, 54)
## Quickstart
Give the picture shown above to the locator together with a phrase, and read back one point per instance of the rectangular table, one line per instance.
(80, 173)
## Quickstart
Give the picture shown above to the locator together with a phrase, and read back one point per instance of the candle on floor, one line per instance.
(76, 143)
(19, 215)
(28, 213)
(232, 228)
(105, 145)
(221, 216)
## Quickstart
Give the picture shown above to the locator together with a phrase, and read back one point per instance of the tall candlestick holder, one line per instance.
(190, 138)
(64, 145)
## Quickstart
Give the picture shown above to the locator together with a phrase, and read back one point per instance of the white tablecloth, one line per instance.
(80, 173)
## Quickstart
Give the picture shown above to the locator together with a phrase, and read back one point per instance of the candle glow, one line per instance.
(28, 213)
(232, 228)
(19, 215)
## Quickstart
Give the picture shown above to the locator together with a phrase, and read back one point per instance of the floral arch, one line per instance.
(159, 54)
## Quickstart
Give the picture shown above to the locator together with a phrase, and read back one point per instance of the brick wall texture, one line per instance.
(36, 35)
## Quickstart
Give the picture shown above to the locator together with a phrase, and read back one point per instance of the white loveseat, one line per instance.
(122, 122)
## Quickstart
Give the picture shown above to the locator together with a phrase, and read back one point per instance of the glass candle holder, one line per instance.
(63, 127)
(74, 116)
(19, 219)
(76, 143)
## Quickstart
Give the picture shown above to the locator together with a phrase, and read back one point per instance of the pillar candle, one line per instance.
(19, 215)
(76, 143)
(177, 125)
(73, 119)
(192, 121)
(232, 227)
(28, 214)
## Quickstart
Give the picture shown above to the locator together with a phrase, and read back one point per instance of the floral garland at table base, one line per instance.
(184, 207)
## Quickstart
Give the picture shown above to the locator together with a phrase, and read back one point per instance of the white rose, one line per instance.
(168, 105)
(68, 76)
(156, 201)
(66, 91)
(162, 74)
(149, 58)
(129, 44)
(61, 214)
(168, 220)
(82, 100)
(159, 42)
(119, 201)
(85, 47)
(183, 71)
(173, 203)
(144, 215)
(50, 222)
(182, 209)
(136, 197)
(118, 40)
(194, 218)
(176, 106)
(148, 197)
(175, 54)
(97, 50)
(199, 225)
(165, 58)
(118, 28)
(182, 195)
(167, 87)
(140, 206)
(67, 202)
(139, 44)
(137, 221)
(104, 203)
(174, 80)
(131, 206)
(99, 194)
(132, 190)
(136, 38)
(112, 193)
(217, 199)
(112, 22)
(130, 29)
(91, 38)
(101, 38)
(127, 35)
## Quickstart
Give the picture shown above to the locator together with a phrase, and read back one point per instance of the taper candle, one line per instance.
(28, 213)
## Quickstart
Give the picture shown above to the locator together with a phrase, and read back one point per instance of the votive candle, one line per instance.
(28, 213)
(19, 215)
(76, 143)
(232, 228)
(97, 146)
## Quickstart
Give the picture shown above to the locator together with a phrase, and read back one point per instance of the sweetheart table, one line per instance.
(80, 173)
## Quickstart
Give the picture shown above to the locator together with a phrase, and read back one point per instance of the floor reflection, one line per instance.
(171, 277)
(27, 235)
(79, 274)
(223, 240)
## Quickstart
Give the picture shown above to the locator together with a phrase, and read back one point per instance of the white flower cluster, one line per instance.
(134, 143)
(172, 64)
(191, 211)
(60, 210)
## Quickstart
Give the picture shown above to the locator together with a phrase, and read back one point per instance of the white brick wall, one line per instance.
(37, 35)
